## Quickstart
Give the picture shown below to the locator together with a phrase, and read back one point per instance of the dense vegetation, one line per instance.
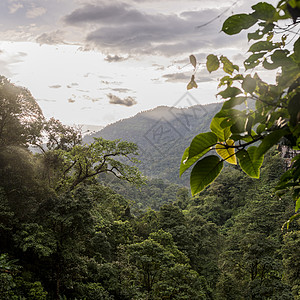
(70, 231)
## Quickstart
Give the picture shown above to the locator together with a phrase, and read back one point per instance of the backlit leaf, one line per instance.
(202, 143)
(212, 63)
(228, 66)
(227, 153)
(193, 60)
(192, 83)
(249, 163)
(222, 133)
(205, 172)
(230, 92)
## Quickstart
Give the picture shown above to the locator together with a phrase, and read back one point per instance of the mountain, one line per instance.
(162, 134)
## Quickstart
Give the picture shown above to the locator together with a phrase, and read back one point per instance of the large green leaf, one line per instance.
(205, 172)
(236, 23)
(202, 144)
(264, 11)
(186, 162)
(249, 163)
(233, 102)
(230, 92)
(222, 133)
(262, 46)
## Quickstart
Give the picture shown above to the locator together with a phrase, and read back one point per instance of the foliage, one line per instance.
(21, 118)
(239, 132)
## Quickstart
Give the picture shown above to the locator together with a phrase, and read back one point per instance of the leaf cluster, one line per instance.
(255, 115)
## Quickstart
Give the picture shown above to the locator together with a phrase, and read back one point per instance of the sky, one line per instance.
(96, 61)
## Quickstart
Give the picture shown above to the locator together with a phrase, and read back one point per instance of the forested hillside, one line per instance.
(68, 233)
(161, 134)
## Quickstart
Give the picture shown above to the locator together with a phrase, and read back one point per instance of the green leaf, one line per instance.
(233, 102)
(193, 61)
(262, 46)
(202, 143)
(260, 128)
(212, 63)
(185, 162)
(249, 163)
(249, 84)
(269, 141)
(205, 172)
(222, 133)
(257, 35)
(296, 54)
(264, 11)
(234, 24)
(228, 66)
(297, 206)
(230, 92)
(192, 83)
(227, 153)
(253, 60)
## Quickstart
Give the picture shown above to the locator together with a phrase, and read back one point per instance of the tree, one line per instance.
(64, 169)
(21, 118)
(245, 135)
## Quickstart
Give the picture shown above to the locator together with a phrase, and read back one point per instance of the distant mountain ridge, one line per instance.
(162, 134)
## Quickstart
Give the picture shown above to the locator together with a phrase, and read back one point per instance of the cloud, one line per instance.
(111, 82)
(121, 90)
(115, 58)
(177, 77)
(51, 38)
(35, 12)
(56, 86)
(15, 7)
(128, 101)
(122, 28)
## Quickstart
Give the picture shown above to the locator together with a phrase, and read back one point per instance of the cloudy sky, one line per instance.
(98, 61)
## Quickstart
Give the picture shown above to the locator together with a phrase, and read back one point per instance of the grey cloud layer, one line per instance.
(122, 28)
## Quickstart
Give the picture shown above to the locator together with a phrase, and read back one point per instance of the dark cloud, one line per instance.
(115, 58)
(128, 101)
(122, 28)
(116, 13)
(56, 86)
(177, 77)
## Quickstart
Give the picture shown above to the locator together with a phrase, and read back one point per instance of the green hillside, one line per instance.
(162, 134)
